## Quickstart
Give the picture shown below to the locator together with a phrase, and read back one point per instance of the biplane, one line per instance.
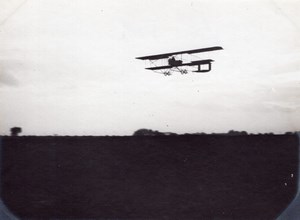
(174, 63)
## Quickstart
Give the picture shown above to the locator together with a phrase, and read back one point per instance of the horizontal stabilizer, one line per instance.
(197, 62)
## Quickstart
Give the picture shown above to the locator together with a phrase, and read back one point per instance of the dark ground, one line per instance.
(162, 177)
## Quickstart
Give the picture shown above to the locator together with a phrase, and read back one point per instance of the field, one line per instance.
(143, 177)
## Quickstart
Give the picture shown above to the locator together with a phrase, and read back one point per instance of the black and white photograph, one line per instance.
(174, 109)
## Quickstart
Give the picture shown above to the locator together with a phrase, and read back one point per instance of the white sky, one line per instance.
(68, 67)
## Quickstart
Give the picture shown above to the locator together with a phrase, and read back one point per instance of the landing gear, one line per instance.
(167, 73)
(183, 71)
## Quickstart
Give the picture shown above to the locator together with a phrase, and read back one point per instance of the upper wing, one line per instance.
(166, 55)
(193, 63)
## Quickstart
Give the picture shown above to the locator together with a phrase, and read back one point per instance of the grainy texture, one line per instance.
(169, 177)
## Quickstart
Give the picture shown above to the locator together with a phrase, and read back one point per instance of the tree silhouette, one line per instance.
(15, 131)
(232, 132)
(146, 132)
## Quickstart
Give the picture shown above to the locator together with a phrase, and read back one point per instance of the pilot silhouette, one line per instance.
(172, 61)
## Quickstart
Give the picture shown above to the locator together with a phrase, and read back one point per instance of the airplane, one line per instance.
(174, 64)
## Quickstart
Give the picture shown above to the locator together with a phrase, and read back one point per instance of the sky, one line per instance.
(68, 67)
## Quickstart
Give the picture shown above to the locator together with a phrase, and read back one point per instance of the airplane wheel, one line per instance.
(184, 72)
